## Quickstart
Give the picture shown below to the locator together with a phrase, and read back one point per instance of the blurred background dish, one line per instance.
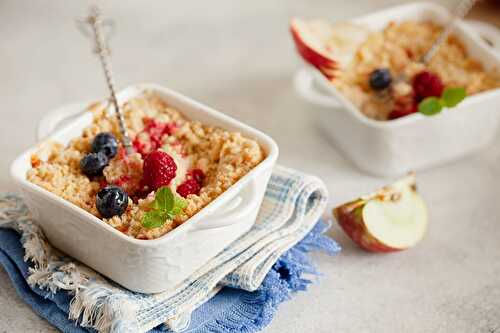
(414, 142)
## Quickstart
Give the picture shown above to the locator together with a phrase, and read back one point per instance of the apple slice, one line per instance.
(310, 44)
(328, 47)
(392, 219)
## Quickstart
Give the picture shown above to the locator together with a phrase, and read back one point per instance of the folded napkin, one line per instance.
(261, 268)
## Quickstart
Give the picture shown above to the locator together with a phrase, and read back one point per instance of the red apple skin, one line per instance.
(349, 217)
(323, 64)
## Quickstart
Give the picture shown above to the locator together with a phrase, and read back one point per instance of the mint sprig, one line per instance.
(450, 98)
(453, 96)
(430, 106)
(154, 219)
(166, 206)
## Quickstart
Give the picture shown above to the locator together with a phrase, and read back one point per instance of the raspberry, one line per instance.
(139, 146)
(159, 169)
(403, 106)
(157, 130)
(197, 175)
(427, 84)
(122, 153)
(103, 183)
(402, 110)
(190, 186)
(123, 180)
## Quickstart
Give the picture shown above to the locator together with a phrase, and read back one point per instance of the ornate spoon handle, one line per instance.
(95, 21)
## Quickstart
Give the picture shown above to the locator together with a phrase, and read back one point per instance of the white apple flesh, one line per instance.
(392, 219)
(328, 47)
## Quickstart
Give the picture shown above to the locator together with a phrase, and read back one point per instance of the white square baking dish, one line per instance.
(414, 142)
(148, 266)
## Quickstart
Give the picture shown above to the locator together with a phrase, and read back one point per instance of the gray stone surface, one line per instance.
(237, 57)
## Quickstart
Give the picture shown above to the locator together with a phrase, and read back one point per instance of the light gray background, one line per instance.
(237, 56)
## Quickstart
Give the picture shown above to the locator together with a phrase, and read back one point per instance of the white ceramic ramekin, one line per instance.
(414, 142)
(148, 266)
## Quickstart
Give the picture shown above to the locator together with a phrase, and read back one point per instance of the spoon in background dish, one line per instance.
(460, 12)
(402, 82)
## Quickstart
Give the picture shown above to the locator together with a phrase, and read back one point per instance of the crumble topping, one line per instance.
(222, 156)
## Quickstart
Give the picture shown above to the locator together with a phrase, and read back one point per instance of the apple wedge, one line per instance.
(311, 46)
(328, 47)
(392, 219)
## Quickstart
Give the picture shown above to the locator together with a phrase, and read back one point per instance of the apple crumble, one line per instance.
(178, 167)
(371, 79)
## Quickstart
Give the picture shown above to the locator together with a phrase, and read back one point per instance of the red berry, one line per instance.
(122, 181)
(103, 183)
(139, 146)
(190, 186)
(404, 106)
(159, 169)
(196, 174)
(427, 84)
(157, 130)
(402, 110)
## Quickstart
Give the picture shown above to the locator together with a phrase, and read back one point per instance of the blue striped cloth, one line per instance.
(236, 291)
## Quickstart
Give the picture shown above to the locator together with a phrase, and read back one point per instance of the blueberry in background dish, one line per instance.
(380, 79)
(106, 143)
(111, 200)
(92, 164)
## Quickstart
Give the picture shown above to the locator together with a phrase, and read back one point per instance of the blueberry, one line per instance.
(380, 79)
(111, 200)
(92, 164)
(105, 142)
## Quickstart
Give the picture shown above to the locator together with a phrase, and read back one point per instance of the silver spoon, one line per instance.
(460, 12)
(96, 23)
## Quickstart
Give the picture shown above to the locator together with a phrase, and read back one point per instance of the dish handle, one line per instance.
(304, 86)
(488, 33)
(242, 205)
(53, 119)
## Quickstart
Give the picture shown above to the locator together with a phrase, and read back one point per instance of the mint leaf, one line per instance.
(164, 199)
(180, 202)
(452, 96)
(179, 205)
(166, 206)
(430, 106)
(154, 219)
